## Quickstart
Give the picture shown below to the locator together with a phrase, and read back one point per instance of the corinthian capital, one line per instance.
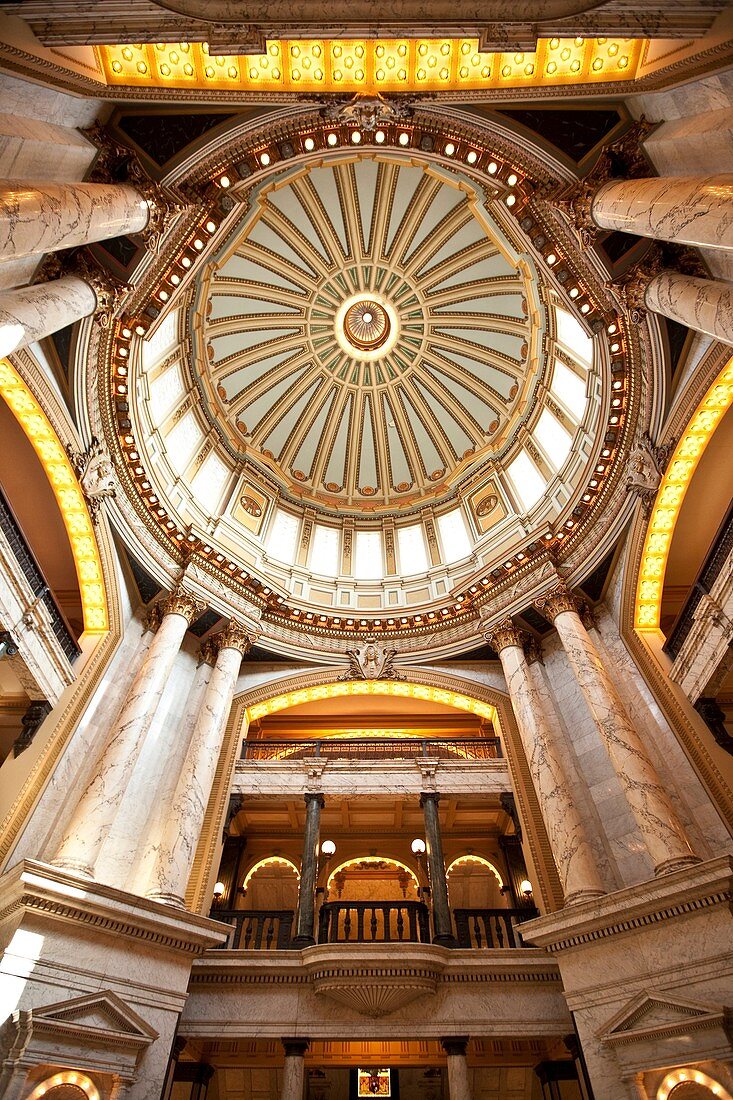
(182, 602)
(556, 601)
(504, 635)
(234, 636)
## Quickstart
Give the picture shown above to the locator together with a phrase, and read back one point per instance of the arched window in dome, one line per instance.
(283, 536)
(325, 550)
(526, 479)
(413, 552)
(368, 561)
(454, 536)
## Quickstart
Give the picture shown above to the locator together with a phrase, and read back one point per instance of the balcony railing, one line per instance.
(31, 570)
(374, 748)
(257, 929)
(493, 928)
(372, 922)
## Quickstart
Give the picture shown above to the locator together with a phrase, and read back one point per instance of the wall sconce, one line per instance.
(328, 848)
(219, 891)
(525, 889)
(418, 847)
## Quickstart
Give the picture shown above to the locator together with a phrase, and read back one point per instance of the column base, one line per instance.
(445, 939)
(174, 900)
(100, 977)
(646, 972)
(74, 867)
(579, 896)
(299, 942)
(669, 866)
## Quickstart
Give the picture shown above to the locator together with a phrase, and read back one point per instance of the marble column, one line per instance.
(648, 801)
(294, 1072)
(32, 312)
(442, 924)
(689, 210)
(44, 217)
(570, 849)
(705, 305)
(177, 845)
(98, 805)
(304, 936)
(459, 1087)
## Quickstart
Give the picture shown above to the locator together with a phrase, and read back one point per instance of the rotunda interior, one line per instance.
(366, 550)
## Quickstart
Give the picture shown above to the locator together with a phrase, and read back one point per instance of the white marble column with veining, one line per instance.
(43, 217)
(690, 210)
(32, 312)
(98, 805)
(705, 305)
(459, 1087)
(570, 849)
(177, 845)
(648, 801)
(294, 1072)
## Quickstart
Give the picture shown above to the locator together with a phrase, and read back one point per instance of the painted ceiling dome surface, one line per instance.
(370, 332)
(377, 383)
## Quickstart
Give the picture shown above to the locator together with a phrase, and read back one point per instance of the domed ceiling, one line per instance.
(368, 383)
(369, 331)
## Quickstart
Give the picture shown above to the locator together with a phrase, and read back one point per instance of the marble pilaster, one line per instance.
(705, 305)
(459, 1087)
(571, 851)
(98, 805)
(304, 932)
(648, 801)
(44, 217)
(442, 925)
(688, 210)
(294, 1072)
(177, 844)
(32, 312)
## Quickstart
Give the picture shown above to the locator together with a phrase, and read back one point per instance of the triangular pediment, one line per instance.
(654, 1012)
(103, 1011)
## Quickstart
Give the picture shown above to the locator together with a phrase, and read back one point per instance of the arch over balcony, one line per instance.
(413, 683)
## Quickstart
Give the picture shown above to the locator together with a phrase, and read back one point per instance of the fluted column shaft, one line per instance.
(29, 314)
(43, 217)
(459, 1087)
(304, 936)
(177, 845)
(688, 210)
(294, 1072)
(705, 305)
(98, 805)
(570, 849)
(442, 925)
(648, 801)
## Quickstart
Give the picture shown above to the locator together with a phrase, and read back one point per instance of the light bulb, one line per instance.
(328, 848)
(525, 887)
(418, 846)
(219, 889)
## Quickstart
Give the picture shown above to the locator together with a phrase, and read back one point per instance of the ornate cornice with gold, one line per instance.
(209, 847)
(38, 762)
(689, 728)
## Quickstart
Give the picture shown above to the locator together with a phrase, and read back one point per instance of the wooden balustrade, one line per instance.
(493, 928)
(256, 929)
(374, 922)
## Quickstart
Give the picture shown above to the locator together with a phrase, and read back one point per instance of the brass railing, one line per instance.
(375, 748)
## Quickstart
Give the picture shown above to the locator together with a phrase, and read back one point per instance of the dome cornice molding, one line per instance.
(229, 584)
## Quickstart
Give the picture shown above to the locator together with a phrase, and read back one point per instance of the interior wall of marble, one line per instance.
(694, 138)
